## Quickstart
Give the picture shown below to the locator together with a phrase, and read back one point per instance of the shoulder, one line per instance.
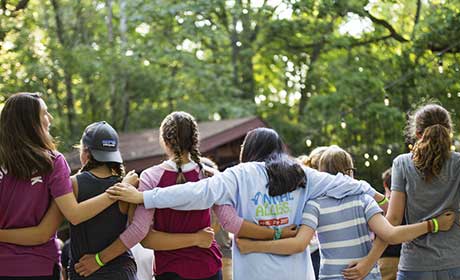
(403, 158)
(314, 203)
(455, 157)
(366, 199)
(246, 168)
(57, 157)
(60, 165)
(155, 171)
(150, 177)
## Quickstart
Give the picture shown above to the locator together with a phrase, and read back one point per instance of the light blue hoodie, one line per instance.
(245, 187)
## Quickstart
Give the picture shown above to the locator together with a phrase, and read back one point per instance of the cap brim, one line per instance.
(104, 156)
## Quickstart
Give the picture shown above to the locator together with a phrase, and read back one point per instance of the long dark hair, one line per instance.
(25, 146)
(117, 169)
(284, 174)
(432, 125)
(179, 131)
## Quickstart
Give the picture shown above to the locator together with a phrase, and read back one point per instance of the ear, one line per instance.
(84, 155)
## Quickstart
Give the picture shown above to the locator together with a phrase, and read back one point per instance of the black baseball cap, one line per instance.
(102, 141)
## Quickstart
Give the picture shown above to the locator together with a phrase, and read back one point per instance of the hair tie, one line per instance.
(179, 169)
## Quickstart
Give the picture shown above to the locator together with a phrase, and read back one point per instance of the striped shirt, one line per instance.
(343, 233)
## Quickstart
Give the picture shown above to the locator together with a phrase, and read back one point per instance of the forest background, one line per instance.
(320, 72)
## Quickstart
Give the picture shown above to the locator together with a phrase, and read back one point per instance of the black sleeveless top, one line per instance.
(96, 234)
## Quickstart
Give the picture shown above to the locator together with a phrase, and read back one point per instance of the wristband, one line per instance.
(277, 234)
(383, 201)
(435, 225)
(98, 260)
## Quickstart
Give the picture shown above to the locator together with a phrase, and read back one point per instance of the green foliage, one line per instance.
(293, 63)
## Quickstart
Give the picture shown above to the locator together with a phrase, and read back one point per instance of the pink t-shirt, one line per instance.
(143, 219)
(23, 203)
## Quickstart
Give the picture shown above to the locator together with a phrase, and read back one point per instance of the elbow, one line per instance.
(299, 248)
(392, 240)
(230, 227)
(75, 221)
(145, 244)
(395, 221)
(390, 237)
(43, 239)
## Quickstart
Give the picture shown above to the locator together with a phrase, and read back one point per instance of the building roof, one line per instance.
(144, 144)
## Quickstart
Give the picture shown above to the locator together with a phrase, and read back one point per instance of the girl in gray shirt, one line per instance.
(425, 183)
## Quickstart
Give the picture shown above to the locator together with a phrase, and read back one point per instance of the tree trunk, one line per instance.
(308, 79)
(67, 75)
(123, 80)
(112, 87)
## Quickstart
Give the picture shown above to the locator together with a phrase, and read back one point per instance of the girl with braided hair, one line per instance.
(183, 241)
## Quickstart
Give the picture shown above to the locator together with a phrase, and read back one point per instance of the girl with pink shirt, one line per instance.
(34, 181)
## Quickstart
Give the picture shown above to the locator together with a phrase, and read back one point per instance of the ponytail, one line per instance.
(284, 175)
(432, 150)
(431, 127)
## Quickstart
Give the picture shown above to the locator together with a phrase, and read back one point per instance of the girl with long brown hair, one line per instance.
(424, 183)
(34, 180)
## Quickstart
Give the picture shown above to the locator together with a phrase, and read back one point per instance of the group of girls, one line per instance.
(268, 197)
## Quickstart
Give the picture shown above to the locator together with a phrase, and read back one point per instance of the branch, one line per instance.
(443, 48)
(417, 18)
(388, 26)
(21, 5)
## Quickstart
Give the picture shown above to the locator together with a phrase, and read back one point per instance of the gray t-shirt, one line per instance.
(425, 200)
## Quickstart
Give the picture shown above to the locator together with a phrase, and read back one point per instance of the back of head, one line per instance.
(100, 140)
(334, 160)
(312, 160)
(259, 144)
(386, 178)
(284, 174)
(431, 125)
(179, 131)
(25, 145)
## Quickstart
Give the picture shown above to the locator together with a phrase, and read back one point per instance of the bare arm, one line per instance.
(358, 270)
(287, 246)
(165, 241)
(231, 222)
(396, 235)
(253, 231)
(32, 236)
(77, 213)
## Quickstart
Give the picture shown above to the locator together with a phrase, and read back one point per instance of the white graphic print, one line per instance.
(36, 180)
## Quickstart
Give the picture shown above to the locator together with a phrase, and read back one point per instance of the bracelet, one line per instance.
(98, 260)
(277, 234)
(383, 201)
(435, 225)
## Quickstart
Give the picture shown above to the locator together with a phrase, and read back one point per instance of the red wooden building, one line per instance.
(220, 141)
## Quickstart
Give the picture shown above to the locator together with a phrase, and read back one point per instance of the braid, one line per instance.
(179, 131)
(195, 150)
